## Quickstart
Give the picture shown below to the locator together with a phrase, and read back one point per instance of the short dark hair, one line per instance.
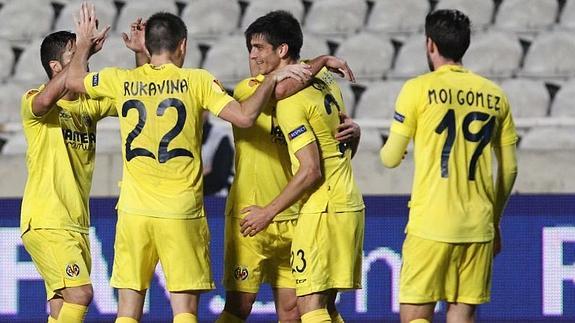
(277, 27)
(164, 32)
(450, 31)
(52, 48)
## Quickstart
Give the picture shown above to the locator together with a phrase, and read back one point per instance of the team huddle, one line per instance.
(294, 215)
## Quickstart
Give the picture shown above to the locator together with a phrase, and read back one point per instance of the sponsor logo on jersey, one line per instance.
(73, 270)
(95, 79)
(298, 131)
(241, 273)
(398, 117)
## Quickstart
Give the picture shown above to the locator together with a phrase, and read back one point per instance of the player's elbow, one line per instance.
(244, 122)
(312, 175)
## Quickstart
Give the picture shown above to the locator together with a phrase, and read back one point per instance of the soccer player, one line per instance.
(160, 209)
(457, 119)
(262, 170)
(327, 242)
(60, 129)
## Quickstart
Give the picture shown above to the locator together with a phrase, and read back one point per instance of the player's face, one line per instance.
(68, 53)
(264, 59)
(428, 49)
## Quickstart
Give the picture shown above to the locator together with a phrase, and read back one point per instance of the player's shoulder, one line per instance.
(247, 87)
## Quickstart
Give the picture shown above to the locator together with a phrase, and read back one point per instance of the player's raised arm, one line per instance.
(136, 41)
(337, 65)
(244, 114)
(54, 90)
(88, 41)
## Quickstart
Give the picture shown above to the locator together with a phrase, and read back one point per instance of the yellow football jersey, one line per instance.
(313, 115)
(262, 160)
(456, 117)
(160, 112)
(60, 161)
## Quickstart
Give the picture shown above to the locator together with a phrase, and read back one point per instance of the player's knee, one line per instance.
(287, 310)
(240, 304)
(81, 295)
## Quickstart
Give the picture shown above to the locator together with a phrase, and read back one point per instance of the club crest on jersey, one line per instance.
(398, 117)
(87, 120)
(298, 131)
(95, 79)
(241, 273)
(73, 270)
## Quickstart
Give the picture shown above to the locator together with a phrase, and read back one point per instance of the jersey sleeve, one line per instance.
(507, 134)
(405, 115)
(212, 94)
(102, 84)
(294, 123)
(26, 105)
(106, 108)
(247, 88)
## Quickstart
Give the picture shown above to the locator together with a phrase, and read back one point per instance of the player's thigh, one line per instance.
(135, 254)
(277, 269)
(426, 264)
(184, 250)
(62, 258)
(474, 274)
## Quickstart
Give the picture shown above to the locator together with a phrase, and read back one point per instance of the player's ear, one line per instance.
(183, 45)
(430, 45)
(283, 50)
(55, 66)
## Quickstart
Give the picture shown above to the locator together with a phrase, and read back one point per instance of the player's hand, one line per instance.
(300, 72)
(340, 67)
(497, 245)
(136, 41)
(255, 221)
(347, 129)
(87, 33)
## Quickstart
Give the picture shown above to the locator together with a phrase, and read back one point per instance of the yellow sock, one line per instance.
(185, 318)
(317, 316)
(72, 313)
(336, 318)
(419, 321)
(227, 317)
(125, 319)
(52, 320)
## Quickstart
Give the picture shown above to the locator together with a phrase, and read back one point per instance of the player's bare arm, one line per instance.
(308, 175)
(348, 131)
(337, 65)
(506, 175)
(394, 150)
(88, 41)
(136, 41)
(244, 114)
(46, 99)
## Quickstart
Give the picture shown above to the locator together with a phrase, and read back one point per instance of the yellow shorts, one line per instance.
(263, 258)
(62, 258)
(181, 246)
(453, 272)
(327, 250)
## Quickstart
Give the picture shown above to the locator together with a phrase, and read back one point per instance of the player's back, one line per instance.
(456, 117)
(313, 115)
(160, 111)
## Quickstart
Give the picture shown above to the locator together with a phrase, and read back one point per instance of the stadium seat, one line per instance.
(114, 53)
(494, 54)
(336, 18)
(370, 56)
(563, 103)
(16, 144)
(29, 67)
(193, 54)
(547, 55)
(24, 20)
(105, 10)
(389, 17)
(108, 138)
(527, 98)
(6, 59)
(313, 46)
(568, 15)
(227, 59)
(526, 15)
(411, 60)
(479, 12)
(378, 100)
(10, 99)
(258, 8)
(142, 9)
(207, 20)
(549, 138)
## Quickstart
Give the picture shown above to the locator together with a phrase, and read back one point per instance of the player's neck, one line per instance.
(161, 59)
(443, 61)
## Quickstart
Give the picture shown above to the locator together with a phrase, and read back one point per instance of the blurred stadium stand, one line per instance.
(525, 45)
